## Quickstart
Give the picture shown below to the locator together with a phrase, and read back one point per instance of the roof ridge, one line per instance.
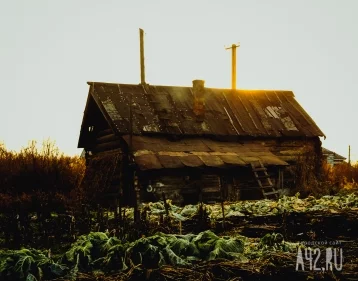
(180, 86)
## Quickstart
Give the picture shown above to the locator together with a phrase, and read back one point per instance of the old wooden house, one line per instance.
(331, 157)
(193, 143)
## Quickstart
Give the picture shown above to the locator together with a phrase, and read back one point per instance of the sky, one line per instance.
(50, 49)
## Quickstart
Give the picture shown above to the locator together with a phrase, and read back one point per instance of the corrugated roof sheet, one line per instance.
(169, 110)
(152, 153)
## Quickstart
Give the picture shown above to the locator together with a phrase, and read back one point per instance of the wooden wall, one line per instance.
(105, 141)
(182, 189)
(190, 187)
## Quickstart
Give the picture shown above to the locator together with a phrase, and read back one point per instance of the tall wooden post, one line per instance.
(134, 177)
(349, 155)
(233, 67)
(233, 64)
(120, 191)
(137, 198)
(142, 68)
(349, 164)
(222, 200)
(131, 124)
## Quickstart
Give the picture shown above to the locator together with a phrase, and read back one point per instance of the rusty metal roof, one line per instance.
(152, 153)
(169, 110)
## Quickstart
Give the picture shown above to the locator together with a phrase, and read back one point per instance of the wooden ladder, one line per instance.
(264, 181)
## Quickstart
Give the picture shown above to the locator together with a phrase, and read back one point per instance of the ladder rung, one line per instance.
(263, 177)
(259, 169)
(262, 187)
(267, 186)
(264, 180)
(271, 193)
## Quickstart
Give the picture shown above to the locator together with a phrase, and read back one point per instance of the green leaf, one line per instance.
(31, 277)
(58, 269)
(23, 265)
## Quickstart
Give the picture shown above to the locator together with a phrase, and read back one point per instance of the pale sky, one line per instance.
(50, 49)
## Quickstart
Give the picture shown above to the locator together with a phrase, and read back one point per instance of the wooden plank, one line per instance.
(232, 160)
(107, 138)
(106, 146)
(248, 160)
(212, 161)
(170, 161)
(272, 160)
(104, 132)
(191, 161)
(148, 162)
(271, 193)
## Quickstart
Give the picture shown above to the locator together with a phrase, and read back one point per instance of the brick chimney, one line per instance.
(199, 98)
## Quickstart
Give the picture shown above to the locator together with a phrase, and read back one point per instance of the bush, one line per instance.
(318, 178)
(43, 176)
(34, 183)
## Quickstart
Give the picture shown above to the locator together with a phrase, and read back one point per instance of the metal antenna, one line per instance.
(233, 64)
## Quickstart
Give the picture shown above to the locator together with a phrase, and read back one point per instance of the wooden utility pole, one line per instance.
(130, 123)
(142, 68)
(134, 178)
(233, 64)
(349, 155)
(349, 164)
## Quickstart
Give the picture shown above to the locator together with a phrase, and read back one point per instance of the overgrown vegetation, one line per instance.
(36, 176)
(43, 195)
(313, 176)
(47, 168)
(44, 203)
(284, 205)
(34, 184)
(103, 254)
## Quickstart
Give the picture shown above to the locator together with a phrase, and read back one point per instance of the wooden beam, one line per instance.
(107, 138)
(104, 132)
(106, 146)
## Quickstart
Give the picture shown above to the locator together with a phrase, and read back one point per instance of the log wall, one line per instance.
(182, 189)
(187, 188)
(105, 141)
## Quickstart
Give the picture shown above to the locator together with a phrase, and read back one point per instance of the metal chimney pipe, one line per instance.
(142, 68)
(233, 64)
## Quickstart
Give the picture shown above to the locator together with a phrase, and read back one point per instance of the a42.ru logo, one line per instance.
(315, 259)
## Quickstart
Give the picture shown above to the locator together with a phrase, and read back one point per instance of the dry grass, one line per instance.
(315, 177)
(44, 173)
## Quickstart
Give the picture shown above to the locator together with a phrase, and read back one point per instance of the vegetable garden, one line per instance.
(49, 231)
(229, 248)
